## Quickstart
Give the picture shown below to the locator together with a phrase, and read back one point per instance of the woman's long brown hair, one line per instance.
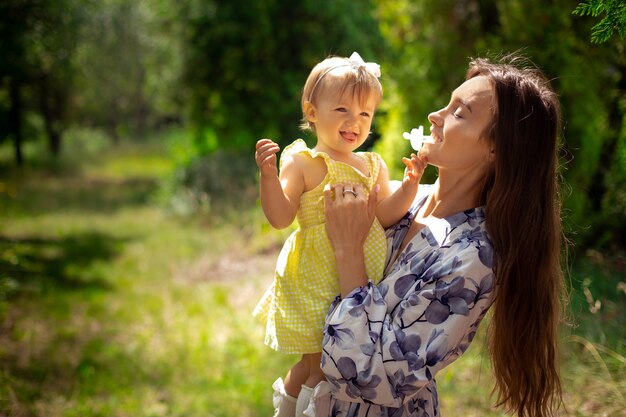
(523, 219)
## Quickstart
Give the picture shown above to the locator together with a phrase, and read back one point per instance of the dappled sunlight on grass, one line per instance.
(137, 165)
(39, 263)
(77, 195)
(167, 331)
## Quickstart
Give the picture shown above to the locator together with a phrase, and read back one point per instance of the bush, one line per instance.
(210, 184)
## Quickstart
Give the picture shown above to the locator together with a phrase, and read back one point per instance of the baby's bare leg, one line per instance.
(315, 377)
(315, 372)
(297, 375)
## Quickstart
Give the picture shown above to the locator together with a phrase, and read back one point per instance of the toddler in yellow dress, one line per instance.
(339, 100)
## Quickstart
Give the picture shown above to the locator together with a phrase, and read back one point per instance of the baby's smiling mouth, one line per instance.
(350, 136)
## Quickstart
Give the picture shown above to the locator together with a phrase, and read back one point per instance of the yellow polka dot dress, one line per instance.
(305, 282)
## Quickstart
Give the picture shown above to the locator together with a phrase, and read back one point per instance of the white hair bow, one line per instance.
(357, 62)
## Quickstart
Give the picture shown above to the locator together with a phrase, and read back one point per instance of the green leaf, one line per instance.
(583, 9)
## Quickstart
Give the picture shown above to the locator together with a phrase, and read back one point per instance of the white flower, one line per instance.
(417, 137)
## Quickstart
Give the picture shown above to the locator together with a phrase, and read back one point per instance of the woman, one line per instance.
(486, 234)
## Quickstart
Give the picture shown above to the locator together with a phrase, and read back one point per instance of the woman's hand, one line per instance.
(349, 217)
(349, 214)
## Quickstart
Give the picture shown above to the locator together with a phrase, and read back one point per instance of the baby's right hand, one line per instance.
(265, 156)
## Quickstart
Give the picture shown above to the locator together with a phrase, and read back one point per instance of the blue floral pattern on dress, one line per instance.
(383, 344)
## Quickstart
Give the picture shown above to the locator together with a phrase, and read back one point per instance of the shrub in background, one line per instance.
(213, 183)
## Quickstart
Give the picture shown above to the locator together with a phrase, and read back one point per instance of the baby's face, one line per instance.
(342, 123)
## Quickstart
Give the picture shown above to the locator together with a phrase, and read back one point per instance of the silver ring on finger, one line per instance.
(351, 192)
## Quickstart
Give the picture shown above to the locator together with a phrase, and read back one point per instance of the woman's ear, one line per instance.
(310, 112)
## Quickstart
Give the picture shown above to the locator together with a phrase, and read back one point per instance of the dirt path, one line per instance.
(248, 275)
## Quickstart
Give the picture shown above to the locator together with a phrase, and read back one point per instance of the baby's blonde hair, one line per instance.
(336, 74)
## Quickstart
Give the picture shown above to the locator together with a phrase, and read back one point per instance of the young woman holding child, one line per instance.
(486, 235)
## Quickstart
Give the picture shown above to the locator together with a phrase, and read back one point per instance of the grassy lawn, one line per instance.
(110, 305)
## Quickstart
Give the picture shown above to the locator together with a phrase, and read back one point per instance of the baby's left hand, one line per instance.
(414, 170)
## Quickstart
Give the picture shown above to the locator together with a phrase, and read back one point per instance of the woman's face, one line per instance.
(458, 129)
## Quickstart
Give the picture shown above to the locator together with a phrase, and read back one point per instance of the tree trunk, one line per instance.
(54, 142)
(111, 129)
(51, 106)
(15, 120)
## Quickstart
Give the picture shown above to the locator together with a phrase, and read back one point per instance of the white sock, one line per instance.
(304, 398)
(285, 404)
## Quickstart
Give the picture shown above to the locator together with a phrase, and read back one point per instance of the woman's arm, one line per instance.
(384, 343)
(348, 221)
(376, 356)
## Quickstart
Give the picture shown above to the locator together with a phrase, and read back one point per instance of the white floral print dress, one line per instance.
(383, 344)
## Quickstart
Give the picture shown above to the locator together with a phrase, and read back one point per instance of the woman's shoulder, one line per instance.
(461, 235)
(465, 235)
(458, 246)
(423, 191)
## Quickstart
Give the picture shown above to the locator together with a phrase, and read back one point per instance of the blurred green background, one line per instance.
(132, 244)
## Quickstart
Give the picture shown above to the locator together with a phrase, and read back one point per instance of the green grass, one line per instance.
(111, 305)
